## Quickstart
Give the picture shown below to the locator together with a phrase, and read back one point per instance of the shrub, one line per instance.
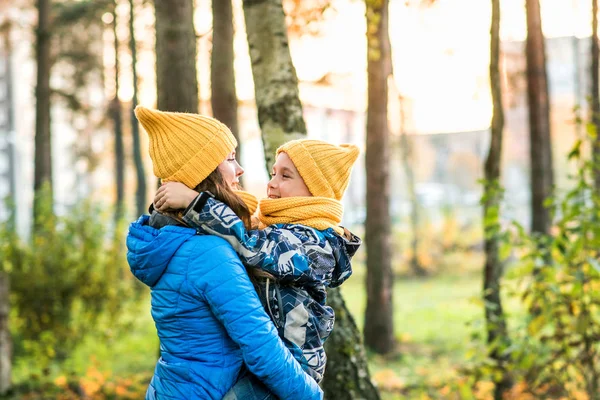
(69, 273)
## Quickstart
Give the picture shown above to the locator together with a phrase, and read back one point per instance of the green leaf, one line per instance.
(575, 150)
(505, 250)
(594, 263)
(536, 325)
(583, 322)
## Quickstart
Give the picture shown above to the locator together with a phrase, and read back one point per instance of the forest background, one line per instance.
(476, 192)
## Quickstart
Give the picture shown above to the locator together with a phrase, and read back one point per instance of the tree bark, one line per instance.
(42, 176)
(117, 116)
(497, 335)
(594, 95)
(222, 73)
(140, 193)
(346, 361)
(379, 322)
(279, 105)
(542, 176)
(5, 341)
(176, 76)
(275, 81)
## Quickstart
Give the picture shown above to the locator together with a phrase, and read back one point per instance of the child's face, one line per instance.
(231, 170)
(285, 180)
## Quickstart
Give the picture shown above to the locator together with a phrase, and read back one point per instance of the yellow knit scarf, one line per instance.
(316, 212)
(249, 199)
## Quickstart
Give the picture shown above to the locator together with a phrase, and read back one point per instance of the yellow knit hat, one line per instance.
(324, 167)
(185, 147)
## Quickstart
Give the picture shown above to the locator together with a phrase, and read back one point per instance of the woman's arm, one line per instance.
(234, 302)
(276, 251)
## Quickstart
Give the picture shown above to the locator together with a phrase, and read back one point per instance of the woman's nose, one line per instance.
(239, 171)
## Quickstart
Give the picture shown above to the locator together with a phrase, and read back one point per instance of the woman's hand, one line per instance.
(173, 196)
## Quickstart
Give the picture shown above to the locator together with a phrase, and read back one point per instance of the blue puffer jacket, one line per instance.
(208, 317)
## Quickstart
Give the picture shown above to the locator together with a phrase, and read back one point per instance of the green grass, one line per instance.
(433, 310)
(431, 319)
(431, 324)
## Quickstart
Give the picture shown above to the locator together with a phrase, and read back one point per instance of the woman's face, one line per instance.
(231, 171)
(285, 180)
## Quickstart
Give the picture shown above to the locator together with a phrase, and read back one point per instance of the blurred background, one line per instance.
(479, 230)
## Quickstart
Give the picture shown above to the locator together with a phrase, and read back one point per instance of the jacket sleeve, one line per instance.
(234, 302)
(276, 251)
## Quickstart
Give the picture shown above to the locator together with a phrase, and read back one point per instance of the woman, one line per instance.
(208, 317)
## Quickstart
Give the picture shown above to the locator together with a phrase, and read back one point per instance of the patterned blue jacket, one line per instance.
(304, 262)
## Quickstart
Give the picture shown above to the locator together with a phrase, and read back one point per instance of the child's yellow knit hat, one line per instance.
(185, 147)
(324, 167)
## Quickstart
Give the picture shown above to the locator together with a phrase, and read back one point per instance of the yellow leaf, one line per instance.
(61, 381)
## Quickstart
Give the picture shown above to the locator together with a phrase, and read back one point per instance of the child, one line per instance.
(300, 245)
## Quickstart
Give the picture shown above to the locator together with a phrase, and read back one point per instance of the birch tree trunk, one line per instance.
(347, 373)
(542, 175)
(379, 322)
(281, 119)
(497, 335)
(275, 81)
(176, 76)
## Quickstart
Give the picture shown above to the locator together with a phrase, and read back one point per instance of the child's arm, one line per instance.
(173, 196)
(273, 250)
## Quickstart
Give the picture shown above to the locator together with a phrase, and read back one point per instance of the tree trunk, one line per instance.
(42, 176)
(10, 121)
(176, 77)
(594, 95)
(379, 322)
(275, 81)
(222, 73)
(542, 177)
(117, 116)
(140, 194)
(497, 335)
(346, 361)
(281, 119)
(407, 162)
(5, 342)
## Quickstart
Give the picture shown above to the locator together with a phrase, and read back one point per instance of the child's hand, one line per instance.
(173, 196)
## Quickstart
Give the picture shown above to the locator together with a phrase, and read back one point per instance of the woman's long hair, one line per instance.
(223, 192)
